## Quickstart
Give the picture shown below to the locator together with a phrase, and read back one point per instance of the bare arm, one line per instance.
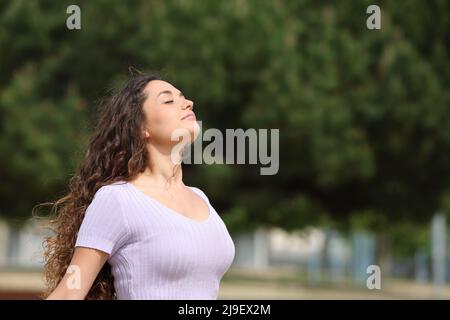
(84, 267)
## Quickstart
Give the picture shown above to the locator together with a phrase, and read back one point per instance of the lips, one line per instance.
(190, 115)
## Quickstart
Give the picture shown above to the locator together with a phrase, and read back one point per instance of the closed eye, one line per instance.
(167, 102)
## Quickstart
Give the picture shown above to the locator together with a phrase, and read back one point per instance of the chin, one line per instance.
(193, 129)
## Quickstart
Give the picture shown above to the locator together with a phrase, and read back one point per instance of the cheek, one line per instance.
(162, 123)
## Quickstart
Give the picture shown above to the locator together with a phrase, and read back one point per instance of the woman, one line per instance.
(129, 227)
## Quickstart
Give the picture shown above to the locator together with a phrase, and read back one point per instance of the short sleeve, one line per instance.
(103, 226)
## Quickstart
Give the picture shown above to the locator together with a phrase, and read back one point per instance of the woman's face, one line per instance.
(168, 113)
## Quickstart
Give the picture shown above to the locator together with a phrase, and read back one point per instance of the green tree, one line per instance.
(363, 115)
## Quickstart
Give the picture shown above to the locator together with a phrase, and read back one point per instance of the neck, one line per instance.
(162, 171)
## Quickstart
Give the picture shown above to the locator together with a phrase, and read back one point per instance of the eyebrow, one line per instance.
(168, 91)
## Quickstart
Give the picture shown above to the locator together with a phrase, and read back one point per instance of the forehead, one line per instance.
(153, 88)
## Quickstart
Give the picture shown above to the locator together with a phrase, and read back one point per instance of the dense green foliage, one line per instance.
(363, 114)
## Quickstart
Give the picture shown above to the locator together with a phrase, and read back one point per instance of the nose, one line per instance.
(188, 104)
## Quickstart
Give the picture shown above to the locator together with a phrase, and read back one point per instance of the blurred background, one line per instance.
(364, 115)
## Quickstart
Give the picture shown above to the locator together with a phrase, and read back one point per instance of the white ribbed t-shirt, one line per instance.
(155, 252)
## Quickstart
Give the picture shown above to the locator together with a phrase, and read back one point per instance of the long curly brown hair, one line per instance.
(116, 151)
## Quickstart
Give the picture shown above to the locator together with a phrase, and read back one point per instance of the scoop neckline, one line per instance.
(172, 211)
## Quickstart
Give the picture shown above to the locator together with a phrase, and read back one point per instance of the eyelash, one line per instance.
(167, 102)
